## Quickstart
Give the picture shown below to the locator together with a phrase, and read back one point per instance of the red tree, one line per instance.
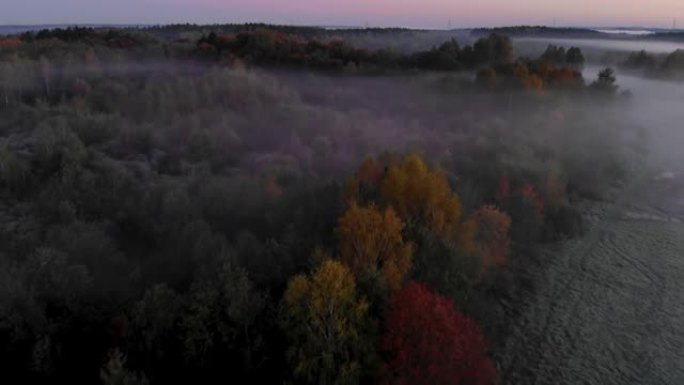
(503, 190)
(428, 342)
(529, 194)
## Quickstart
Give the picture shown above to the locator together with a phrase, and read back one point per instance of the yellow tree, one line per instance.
(423, 195)
(326, 322)
(371, 242)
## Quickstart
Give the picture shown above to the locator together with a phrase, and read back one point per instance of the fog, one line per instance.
(605, 45)
(657, 106)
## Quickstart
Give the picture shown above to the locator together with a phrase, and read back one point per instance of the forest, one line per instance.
(252, 203)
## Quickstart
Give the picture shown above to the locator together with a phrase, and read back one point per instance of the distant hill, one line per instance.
(18, 29)
(667, 36)
(628, 33)
(539, 31)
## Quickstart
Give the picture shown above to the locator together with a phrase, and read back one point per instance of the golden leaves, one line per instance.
(371, 241)
(420, 194)
(325, 321)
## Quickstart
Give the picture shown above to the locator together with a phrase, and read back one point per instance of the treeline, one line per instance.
(492, 56)
(115, 38)
(665, 66)
(51, 65)
(537, 31)
(273, 48)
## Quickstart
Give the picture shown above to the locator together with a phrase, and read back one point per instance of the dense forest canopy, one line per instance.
(274, 205)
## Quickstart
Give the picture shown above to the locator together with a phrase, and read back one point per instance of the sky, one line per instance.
(377, 13)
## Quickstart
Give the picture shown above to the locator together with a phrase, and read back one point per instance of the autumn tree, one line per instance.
(527, 210)
(371, 243)
(10, 43)
(530, 196)
(421, 195)
(527, 80)
(363, 186)
(370, 173)
(503, 189)
(326, 324)
(493, 240)
(427, 341)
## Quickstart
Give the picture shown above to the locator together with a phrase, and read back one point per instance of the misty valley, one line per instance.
(252, 203)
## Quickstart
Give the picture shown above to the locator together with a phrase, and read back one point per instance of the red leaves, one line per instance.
(10, 43)
(80, 87)
(529, 194)
(370, 173)
(429, 342)
(504, 188)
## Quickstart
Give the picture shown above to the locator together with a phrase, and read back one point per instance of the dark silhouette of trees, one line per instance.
(554, 55)
(558, 56)
(268, 47)
(606, 81)
(492, 50)
(640, 60)
(574, 57)
(674, 61)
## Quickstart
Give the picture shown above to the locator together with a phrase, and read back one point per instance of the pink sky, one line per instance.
(412, 13)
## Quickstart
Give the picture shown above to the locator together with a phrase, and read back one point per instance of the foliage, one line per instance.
(327, 326)
(419, 194)
(220, 317)
(274, 48)
(574, 57)
(114, 372)
(674, 61)
(371, 243)
(605, 82)
(640, 60)
(493, 227)
(428, 342)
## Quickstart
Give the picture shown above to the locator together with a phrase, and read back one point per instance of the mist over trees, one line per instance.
(667, 67)
(268, 206)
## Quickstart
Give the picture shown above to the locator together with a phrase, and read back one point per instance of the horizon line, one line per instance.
(618, 27)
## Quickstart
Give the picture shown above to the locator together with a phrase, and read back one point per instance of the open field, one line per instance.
(609, 308)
